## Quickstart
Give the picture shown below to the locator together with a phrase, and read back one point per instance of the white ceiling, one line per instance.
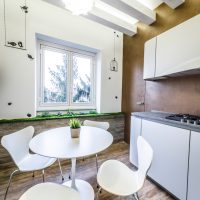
(123, 15)
(151, 4)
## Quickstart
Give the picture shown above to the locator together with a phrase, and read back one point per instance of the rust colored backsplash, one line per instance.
(177, 94)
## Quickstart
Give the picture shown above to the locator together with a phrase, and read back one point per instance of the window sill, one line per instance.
(52, 117)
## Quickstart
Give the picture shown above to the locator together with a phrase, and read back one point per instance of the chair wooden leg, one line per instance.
(60, 170)
(9, 183)
(43, 175)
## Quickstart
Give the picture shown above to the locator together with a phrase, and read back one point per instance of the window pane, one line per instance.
(81, 79)
(55, 77)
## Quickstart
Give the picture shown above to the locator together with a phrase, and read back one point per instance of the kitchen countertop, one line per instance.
(160, 117)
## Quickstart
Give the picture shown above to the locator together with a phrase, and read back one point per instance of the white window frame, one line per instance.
(41, 106)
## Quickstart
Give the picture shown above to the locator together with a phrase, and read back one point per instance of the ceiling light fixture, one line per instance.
(79, 7)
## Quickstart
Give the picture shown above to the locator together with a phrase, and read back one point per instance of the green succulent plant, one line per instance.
(74, 123)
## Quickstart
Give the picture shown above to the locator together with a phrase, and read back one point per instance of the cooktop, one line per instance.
(185, 118)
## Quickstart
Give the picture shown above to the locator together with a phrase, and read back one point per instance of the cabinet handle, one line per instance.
(12, 43)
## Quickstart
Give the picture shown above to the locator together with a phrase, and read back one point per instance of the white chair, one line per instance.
(102, 125)
(50, 191)
(116, 178)
(17, 145)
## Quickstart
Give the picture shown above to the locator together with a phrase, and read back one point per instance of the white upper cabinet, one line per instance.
(178, 49)
(15, 23)
(150, 59)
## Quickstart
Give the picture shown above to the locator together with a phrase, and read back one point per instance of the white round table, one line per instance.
(57, 143)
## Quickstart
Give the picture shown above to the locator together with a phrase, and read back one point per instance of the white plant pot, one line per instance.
(75, 132)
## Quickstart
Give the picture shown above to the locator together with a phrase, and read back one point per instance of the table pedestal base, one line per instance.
(84, 188)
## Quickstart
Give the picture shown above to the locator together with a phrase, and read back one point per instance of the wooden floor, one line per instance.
(85, 170)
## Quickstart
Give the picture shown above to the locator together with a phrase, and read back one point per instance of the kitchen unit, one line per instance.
(194, 166)
(150, 59)
(136, 129)
(174, 52)
(170, 163)
(175, 140)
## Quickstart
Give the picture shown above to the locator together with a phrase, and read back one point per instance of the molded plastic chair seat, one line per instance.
(36, 162)
(17, 145)
(103, 125)
(50, 191)
(116, 178)
(113, 175)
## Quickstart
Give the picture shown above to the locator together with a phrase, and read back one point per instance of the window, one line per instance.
(66, 78)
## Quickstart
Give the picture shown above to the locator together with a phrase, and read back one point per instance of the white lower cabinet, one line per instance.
(194, 167)
(170, 162)
(136, 124)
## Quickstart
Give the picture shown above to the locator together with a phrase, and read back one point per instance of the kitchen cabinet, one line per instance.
(194, 167)
(178, 49)
(174, 52)
(136, 124)
(150, 59)
(170, 162)
(15, 23)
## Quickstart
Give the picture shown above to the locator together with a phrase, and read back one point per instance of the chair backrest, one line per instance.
(17, 143)
(103, 125)
(145, 156)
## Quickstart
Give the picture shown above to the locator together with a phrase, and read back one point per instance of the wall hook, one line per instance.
(29, 115)
(24, 8)
(20, 44)
(12, 43)
(30, 56)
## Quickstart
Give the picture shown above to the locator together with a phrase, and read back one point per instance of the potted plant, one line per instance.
(75, 127)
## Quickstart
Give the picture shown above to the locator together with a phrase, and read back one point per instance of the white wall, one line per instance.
(18, 74)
